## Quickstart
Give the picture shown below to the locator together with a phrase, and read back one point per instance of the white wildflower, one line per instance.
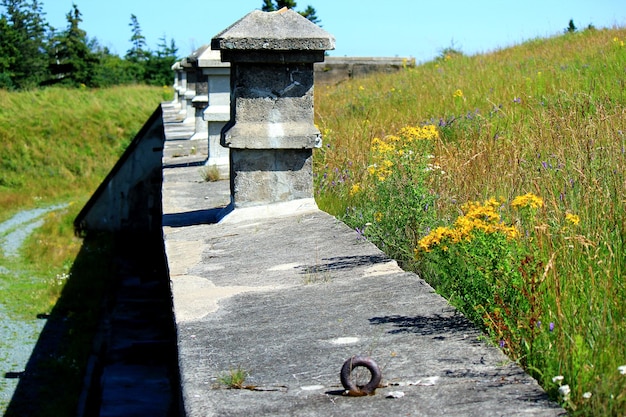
(622, 369)
(564, 390)
(557, 378)
(587, 395)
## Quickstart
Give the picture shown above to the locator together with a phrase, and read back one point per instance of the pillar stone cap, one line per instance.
(204, 57)
(211, 59)
(283, 30)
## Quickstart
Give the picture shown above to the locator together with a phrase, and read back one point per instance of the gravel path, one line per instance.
(14, 231)
(17, 340)
(17, 336)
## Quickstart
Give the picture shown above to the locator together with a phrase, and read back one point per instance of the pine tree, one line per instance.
(272, 6)
(159, 65)
(72, 60)
(138, 52)
(23, 41)
(138, 55)
(7, 54)
(269, 6)
(310, 14)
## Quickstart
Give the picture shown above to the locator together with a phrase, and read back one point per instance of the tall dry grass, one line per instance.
(545, 117)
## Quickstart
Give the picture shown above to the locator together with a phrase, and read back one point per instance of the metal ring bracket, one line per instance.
(351, 387)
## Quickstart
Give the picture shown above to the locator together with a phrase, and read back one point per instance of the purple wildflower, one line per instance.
(551, 326)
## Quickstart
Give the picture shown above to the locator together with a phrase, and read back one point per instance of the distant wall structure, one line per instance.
(129, 198)
(335, 70)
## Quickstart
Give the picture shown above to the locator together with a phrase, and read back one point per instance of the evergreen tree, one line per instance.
(272, 6)
(571, 27)
(138, 52)
(159, 64)
(112, 69)
(72, 60)
(7, 54)
(23, 41)
(310, 14)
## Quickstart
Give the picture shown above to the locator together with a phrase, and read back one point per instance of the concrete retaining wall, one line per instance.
(338, 69)
(129, 198)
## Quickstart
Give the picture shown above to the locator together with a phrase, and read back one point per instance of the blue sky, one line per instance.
(406, 28)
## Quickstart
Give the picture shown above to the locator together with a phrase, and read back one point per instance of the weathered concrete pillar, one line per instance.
(201, 96)
(217, 112)
(271, 134)
(189, 80)
(182, 87)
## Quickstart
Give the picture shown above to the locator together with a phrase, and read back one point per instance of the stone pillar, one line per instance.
(177, 82)
(271, 134)
(189, 81)
(182, 87)
(201, 95)
(217, 113)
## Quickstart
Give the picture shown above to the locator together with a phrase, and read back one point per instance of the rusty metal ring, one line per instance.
(352, 388)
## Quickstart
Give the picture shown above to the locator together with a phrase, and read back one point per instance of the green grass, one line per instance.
(233, 378)
(58, 143)
(546, 117)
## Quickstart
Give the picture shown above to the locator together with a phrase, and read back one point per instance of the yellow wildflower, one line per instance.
(572, 218)
(458, 93)
(433, 238)
(356, 188)
(482, 217)
(378, 216)
(411, 133)
(387, 163)
(527, 200)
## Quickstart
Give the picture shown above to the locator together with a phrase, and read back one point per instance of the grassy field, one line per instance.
(500, 178)
(57, 146)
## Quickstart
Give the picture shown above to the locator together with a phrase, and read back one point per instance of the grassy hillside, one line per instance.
(59, 143)
(500, 178)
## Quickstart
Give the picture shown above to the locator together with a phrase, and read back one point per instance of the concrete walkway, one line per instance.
(288, 293)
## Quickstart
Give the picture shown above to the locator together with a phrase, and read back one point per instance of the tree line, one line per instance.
(34, 54)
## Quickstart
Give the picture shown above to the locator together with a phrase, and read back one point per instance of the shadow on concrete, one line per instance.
(426, 325)
(196, 217)
(78, 343)
(343, 263)
(182, 164)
